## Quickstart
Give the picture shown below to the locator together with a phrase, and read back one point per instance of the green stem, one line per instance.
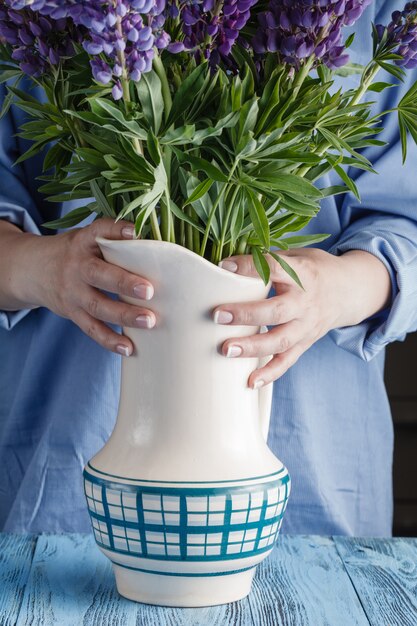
(214, 253)
(172, 232)
(166, 93)
(165, 221)
(213, 210)
(241, 248)
(301, 77)
(367, 78)
(189, 241)
(182, 233)
(155, 227)
(226, 223)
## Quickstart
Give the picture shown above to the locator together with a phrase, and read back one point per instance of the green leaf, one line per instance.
(143, 216)
(304, 240)
(8, 74)
(71, 195)
(333, 190)
(89, 155)
(349, 41)
(96, 118)
(153, 148)
(201, 165)
(35, 149)
(287, 268)
(349, 69)
(102, 201)
(261, 264)
(182, 215)
(187, 93)
(150, 97)
(269, 100)
(403, 136)
(215, 131)
(57, 157)
(380, 86)
(299, 205)
(396, 71)
(292, 184)
(199, 191)
(70, 219)
(248, 117)
(259, 218)
(7, 103)
(347, 180)
(180, 136)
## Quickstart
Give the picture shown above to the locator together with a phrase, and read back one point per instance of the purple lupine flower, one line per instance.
(210, 30)
(119, 35)
(296, 29)
(37, 41)
(402, 35)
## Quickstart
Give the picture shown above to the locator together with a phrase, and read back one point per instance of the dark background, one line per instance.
(401, 381)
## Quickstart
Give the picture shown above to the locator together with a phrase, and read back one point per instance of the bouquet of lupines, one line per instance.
(207, 123)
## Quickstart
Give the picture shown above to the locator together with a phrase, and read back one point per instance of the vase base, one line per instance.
(182, 591)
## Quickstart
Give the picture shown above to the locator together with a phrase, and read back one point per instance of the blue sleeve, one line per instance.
(17, 202)
(384, 224)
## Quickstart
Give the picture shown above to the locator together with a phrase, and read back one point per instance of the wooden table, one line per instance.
(310, 580)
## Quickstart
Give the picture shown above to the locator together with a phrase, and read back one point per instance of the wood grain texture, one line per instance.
(384, 574)
(234, 614)
(71, 584)
(304, 583)
(307, 581)
(16, 553)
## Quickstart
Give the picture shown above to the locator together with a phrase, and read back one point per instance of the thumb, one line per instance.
(244, 264)
(108, 228)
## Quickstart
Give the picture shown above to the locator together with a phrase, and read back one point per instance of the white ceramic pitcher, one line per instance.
(186, 497)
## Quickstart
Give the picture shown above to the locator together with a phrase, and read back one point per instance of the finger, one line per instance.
(276, 367)
(103, 308)
(108, 228)
(243, 264)
(275, 341)
(102, 334)
(108, 277)
(276, 310)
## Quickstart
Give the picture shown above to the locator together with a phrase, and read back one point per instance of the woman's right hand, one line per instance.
(67, 274)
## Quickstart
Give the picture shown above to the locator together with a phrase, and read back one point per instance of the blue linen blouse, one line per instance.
(330, 423)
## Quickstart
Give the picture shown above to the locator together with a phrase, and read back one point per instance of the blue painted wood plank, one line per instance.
(384, 574)
(304, 583)
(233, 614)
(71, 583)
(16, 553)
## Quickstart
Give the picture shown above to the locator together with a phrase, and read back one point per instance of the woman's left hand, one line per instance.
(338, 291)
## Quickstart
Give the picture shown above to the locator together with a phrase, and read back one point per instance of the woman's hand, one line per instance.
(338, 291)
(67, 274)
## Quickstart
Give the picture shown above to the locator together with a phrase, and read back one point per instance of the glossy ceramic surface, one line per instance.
(186, 497)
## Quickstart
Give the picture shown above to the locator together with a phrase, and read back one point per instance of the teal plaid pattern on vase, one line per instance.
(171, 521)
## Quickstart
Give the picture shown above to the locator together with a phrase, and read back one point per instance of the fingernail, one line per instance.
(230, 266)
(128, 232)
(222, 317)
(145, 321)
(258, 383)
(143, 292)
(234, 351)
(123, 350)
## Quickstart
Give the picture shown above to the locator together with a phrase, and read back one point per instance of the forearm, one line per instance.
(19, 258)
(366, 287)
